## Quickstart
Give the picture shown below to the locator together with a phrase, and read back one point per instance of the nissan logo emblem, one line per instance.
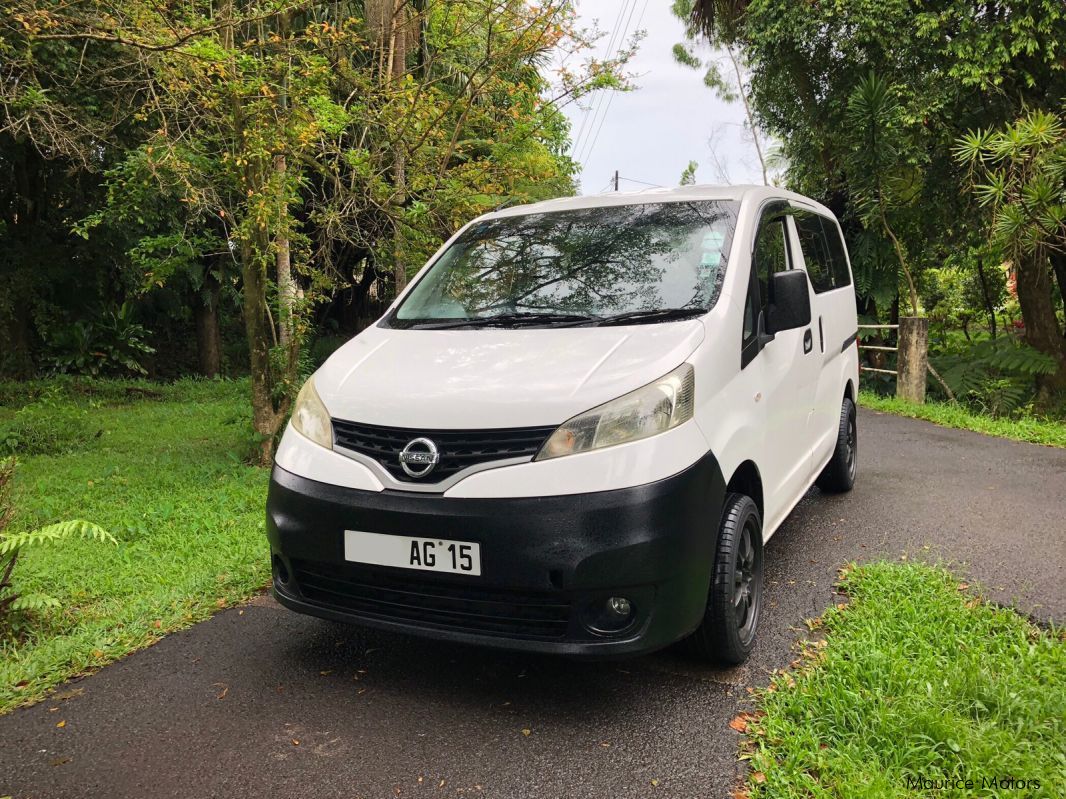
(419, 457)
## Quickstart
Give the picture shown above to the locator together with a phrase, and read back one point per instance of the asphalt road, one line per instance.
(262, 702)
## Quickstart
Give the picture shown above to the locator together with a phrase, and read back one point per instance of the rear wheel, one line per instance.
(727, 633)
(839, 474)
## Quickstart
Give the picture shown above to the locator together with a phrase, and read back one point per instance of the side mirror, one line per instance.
(791, 305)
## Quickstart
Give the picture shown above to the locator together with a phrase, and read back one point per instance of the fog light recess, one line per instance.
(610, 615)
(281, 573)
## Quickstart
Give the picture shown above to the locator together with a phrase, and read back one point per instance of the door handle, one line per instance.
(808, 341)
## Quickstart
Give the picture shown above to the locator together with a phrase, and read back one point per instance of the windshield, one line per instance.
(652, 262)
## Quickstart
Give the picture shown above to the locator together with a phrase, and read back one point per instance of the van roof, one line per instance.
(657, 195)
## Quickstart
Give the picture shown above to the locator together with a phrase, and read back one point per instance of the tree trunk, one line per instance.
(1058, 264)
(1033, 280)
(208, 337)
(747, 111)
(989, 307)
(286, 284)
(397, 66)
(266, 420)
(283, 262)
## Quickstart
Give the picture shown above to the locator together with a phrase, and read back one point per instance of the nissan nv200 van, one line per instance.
(577, 427)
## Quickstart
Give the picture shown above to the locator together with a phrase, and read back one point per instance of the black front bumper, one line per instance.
(546, 561)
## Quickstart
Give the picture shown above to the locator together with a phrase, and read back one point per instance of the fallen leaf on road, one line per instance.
(326, 673)
(295, 742)
(963, 586)
(62, 724)
(441, 785)
(225, 690)
(740, 723)
(527, 732)
(59, 761)
(655, 783)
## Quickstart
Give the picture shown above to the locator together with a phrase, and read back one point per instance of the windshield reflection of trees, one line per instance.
(601, 260)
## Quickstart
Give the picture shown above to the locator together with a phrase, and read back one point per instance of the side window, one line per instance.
(837, 257)
(823, 251)
(770, 254)
(815, 251)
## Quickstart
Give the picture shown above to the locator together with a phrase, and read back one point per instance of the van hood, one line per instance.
(490, 377)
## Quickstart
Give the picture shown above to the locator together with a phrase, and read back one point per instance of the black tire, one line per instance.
(727, 633)
(839, 474)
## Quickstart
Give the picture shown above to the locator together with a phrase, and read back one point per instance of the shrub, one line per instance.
(111, 345)
(993, 376)
(47, 427)
(11, 546)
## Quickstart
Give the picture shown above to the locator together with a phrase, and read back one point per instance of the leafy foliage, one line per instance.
(109, 346)
(994, 375)
(1019, 173)
(13, 544)
(289, 153)
(50, 426)
(871, 102)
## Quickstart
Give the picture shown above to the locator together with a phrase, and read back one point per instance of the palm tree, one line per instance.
(719, 19)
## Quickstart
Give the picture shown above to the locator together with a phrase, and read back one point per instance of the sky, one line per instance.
(651, 133)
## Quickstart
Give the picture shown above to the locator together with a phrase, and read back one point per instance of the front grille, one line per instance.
(382, 594)
(459, 449)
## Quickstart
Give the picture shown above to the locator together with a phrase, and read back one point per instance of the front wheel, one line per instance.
(727, 633)
(839, 474)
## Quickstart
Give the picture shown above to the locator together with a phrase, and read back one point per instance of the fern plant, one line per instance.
(12, 545)
(996, 376)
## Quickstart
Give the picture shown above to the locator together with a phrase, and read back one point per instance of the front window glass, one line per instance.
(651, 262)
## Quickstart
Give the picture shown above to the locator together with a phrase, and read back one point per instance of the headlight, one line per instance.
(653, 409)
(310, 417)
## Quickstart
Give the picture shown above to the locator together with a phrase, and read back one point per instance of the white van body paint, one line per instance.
(780, 411)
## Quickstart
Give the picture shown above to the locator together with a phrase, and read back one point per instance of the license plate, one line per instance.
(406, 552)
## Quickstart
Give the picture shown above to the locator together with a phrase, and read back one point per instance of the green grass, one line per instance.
(163, 472)
(1037, 431)
(915, 678)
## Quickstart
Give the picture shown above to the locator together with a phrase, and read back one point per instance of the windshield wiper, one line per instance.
(506, 319)
(652, 315)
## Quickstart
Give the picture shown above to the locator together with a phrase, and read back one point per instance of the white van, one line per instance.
(576, 429)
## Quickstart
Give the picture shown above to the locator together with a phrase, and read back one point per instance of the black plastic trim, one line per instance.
(849, 341)
(652, 543)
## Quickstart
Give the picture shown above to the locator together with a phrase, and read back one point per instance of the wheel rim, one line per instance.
(851, 444)
(746, 592)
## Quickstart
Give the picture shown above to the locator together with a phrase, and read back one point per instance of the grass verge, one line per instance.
(1036, 431)
(163, 471)
(915, 680)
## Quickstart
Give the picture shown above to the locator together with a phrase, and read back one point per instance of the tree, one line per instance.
(1018, 173)
(880, 180)
(948, 66)
(313, 144)
(728, 90)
